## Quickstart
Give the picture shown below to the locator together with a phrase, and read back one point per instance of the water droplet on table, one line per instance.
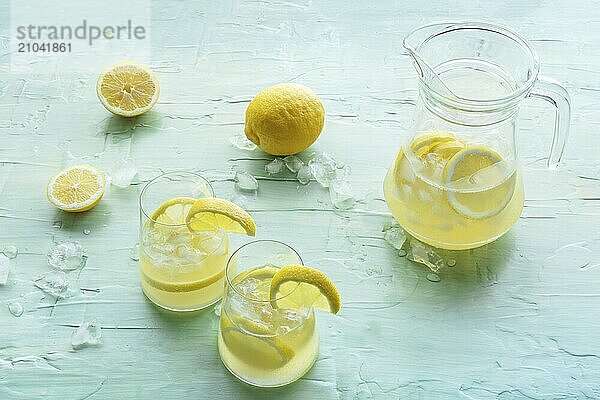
(67, 256)
(87, 231)
(88, 334)
(134, 253)
(11, 251)
(4, 269)
(432, 277)
(15, 308)
(402, 253)
(245, 182)
(451, 262)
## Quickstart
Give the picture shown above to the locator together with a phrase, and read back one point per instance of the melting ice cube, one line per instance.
(275, 166)
(241, 142)
(293, 163)
(245, 182)
(55, 284)
(323, 168)
(395, 236)
(341, 196)
(304, 174)
(123, 172)
(88, 334)
(424, 254)
(67, 256)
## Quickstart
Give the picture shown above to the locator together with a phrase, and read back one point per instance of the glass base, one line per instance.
(268, 386)
(194, 308)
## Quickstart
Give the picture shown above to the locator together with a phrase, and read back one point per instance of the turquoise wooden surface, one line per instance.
(514, 319)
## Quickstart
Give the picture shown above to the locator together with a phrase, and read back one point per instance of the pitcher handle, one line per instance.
(553, 92)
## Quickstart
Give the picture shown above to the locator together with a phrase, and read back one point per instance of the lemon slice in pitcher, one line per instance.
(298, 286)
(477, 177)
(128, 88)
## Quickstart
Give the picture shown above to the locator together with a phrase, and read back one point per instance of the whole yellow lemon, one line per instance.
(284, 119)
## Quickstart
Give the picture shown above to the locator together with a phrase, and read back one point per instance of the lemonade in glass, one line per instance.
(267, 333)
(183, 241)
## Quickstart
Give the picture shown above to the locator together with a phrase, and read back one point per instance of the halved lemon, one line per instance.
(210, 214)
(480, 182)
(76, 189)
(128, 88)
(299, 286)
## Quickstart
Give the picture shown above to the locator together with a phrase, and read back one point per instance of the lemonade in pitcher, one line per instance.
(456, 182)
(451, 194)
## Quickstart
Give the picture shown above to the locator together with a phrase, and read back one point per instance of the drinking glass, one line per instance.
(259, 344)
(180, 270)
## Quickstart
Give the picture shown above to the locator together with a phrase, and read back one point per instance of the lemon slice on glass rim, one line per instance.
(209, 214)
(473, 168)
(299, 286)
(77, 188)
(128, 88)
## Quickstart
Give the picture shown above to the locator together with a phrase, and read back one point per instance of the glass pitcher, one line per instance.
(456, 182)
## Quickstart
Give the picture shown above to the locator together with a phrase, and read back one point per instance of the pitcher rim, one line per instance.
(460, 102)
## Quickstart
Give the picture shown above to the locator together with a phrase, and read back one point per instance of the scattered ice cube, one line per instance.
(241, 142)
(55, 284)
(16, 308)
(67, 256)
(293, 163)
(87, 231)
(401, 253)
(341, 196)
(424, 254)
(57, 224)
(275, 166)
(451, 262)
(246, 182)
(123, 172)
(395, 236)
(4, 269)
(433, 277)
(10, 251)
(304, 174)
(88, 334)
(323, 168)
(134, 253)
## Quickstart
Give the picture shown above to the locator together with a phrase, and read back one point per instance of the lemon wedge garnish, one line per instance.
(298, 286)
(210, 214)
(173, 212)
(77, 188)
(128, 88)
(477, 176)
